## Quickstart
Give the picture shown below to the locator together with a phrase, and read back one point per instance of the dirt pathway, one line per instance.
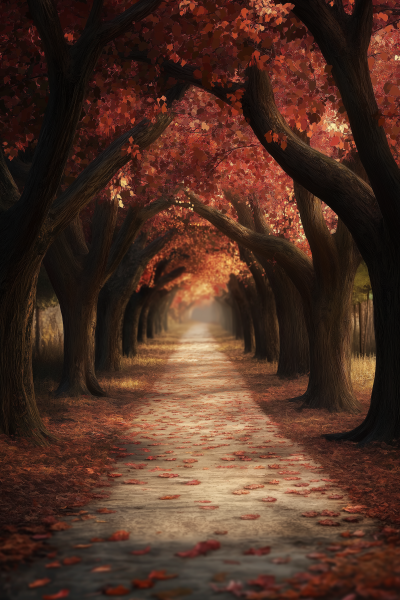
(202, 429)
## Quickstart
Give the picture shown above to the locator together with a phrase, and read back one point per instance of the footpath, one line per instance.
(205, 497)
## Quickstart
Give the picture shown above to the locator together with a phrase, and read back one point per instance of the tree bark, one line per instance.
(77, 274)
(243, 312)
(114, 298)
(325, 288)
(131, 322)
(19, 414)
(159, 282)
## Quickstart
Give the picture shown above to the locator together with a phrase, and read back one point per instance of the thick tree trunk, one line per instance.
(19, 413)
(244, 314)
(294, 355)
(382, 423)
(113, 300)
(259, 321)
(142, 329)
(79, 321)
(131, 322)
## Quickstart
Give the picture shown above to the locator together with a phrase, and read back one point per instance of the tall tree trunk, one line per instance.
(294, 355)
(142, 329)
(114, 298)
(382, 423)
(77, 273)
(38, 341)
(243, 312)
(258, 319)
(131, 322)
(79, 321)
(19, 413)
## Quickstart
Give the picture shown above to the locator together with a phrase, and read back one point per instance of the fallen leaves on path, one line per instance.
(249, 517)
(240, 492)
(201, 548)
(193, 482)
(269, 499)
(71, 560)
(101, 569)
(253, 486)
(209, 507)
(105, 511)
(329, 523)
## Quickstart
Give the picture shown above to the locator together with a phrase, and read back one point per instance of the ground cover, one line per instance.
(37, 483)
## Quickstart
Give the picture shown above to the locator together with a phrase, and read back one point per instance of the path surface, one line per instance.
(200, 411)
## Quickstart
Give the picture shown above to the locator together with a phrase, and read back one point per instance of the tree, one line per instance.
(114, 297)
(370, 212)
(325, 286)
(30, 221)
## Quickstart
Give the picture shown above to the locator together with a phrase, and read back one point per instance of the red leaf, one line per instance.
(258, 551)
(161, 575)
(201, 548)
(171, 497)
(53, 565)
(105, 511)
(168, 475)
(72, 560)
(140, 552)
(249, 517)
(310, 513)
(264, 581)
(114, 475)
(193, 482)
(38, 583)
(119, 536)
(209, 507)
(268, 499)
(120, 590)
(143, 583)
(134, 482)
(61, 594)
(329, 523)
(253, 486)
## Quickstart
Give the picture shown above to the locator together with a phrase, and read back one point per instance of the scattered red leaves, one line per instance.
(63, 476)
(352, 467)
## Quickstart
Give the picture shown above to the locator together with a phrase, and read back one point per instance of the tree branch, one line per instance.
(47, 22)
(129, 229)
(123, 22)
(103, 227)
(296, 263)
